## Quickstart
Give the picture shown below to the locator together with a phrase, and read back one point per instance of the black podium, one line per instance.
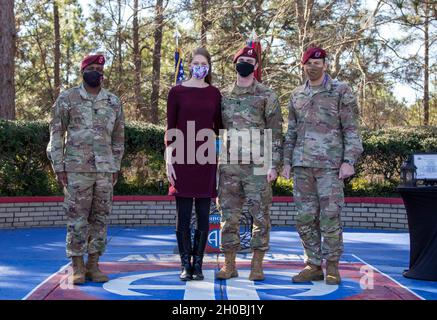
(421, 205)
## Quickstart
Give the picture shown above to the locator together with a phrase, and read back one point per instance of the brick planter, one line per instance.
(24, 212)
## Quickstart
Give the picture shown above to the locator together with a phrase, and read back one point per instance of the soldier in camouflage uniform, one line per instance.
(322, 144)
(248, 105)
(86, 147)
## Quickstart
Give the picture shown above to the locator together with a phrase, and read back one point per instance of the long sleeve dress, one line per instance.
(202, 106)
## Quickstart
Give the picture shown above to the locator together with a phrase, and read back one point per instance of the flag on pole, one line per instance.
(254, 43)
(179, 75)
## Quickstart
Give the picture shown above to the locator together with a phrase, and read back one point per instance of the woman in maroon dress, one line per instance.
(193, 106)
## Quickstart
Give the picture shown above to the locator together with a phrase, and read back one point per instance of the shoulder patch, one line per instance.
(298, 89)
(341, 87)
(263, 90)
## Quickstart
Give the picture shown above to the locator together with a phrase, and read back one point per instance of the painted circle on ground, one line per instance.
(165, 285)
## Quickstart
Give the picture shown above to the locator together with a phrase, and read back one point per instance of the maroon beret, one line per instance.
(246, 52)
(313, 53)
(92, 59)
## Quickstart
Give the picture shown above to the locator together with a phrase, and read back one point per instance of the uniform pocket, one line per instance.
(80, 116)
(105, 117)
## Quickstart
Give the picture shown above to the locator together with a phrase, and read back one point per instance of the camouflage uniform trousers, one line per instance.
(238, 183)
(88, 202)
(319, 197)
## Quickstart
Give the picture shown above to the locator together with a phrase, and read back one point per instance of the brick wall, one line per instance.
(23, 212)
(365, 213)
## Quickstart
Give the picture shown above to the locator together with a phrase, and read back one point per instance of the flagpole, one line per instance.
(177, 35)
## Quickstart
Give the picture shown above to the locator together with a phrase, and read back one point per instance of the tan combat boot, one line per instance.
(256, 267)
(310, 273)
(229, 270)
(78, 276)
(92, 269)
(332, 273)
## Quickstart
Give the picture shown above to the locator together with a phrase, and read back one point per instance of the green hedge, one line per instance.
(378, 169)
(25, 170)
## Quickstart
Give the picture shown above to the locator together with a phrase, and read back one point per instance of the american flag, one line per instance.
(179, 74)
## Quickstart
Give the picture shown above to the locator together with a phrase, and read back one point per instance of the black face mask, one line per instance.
(93, 78)
(244, 69)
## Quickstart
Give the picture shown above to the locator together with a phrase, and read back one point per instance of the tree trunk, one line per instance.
(119, 41)
(204, 22)
(7, 62)
(304, 10)
(156, 74)
(139, 100)
(68, 60)
(426, 69)
(57, 53)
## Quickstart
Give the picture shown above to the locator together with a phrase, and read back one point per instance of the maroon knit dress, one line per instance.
(201, 105)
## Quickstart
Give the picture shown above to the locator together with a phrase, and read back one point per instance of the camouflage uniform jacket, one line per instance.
(322, 126)
(254, 107)
(86, 135)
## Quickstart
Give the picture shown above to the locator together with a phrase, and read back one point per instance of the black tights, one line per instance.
(184, 207)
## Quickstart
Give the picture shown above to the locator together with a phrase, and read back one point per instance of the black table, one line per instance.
(421, 205)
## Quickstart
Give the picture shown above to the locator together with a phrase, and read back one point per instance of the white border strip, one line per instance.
(45, 281)
(386, 275)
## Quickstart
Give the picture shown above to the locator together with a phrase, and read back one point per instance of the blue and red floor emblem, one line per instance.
(142, 264)
(157, 280)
